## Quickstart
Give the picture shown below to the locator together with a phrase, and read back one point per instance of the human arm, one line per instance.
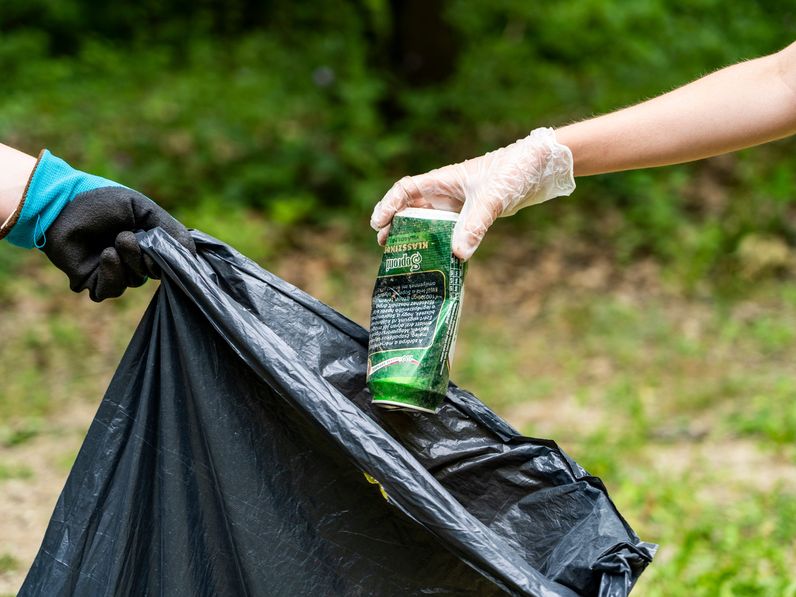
(739, 106)
(85, 224)
(15, 170)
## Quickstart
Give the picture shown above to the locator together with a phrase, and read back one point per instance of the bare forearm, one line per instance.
(739, 106)
(15, 170)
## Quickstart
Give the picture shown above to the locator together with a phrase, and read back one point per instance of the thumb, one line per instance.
(475, 219)
(442, 188)
(149, 215)
(404, 193)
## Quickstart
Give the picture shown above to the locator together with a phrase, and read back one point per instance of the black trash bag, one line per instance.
(229, 454)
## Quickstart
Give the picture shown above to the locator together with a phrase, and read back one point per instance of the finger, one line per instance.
(381, 237)
(475, 219)
(135, 269)
(397, 198)
(130, 253)
(149, 215)
(110, 281)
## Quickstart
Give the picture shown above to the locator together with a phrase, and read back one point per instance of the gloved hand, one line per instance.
(86, 226)
(529, 171)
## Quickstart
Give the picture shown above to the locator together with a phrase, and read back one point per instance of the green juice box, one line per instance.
(415, 312)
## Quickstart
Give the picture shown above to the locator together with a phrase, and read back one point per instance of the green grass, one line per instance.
(14, 471)
(710, 546)
(686, 408)
(8, 563)
(23, 427)
(768, 417)
(65, 461)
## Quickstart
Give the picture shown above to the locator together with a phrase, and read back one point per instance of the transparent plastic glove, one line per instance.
(529, 171)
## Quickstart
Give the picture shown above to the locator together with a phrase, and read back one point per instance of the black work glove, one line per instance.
(93, 240)
(86, 225)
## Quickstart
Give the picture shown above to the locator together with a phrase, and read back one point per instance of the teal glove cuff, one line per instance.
(53, 184)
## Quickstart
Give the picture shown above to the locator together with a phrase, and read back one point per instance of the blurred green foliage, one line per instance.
(7, 562)
(301, 112)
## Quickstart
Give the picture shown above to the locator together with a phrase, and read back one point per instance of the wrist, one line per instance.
(556, 178)
(586, 157)
(52, 184)
(15, 171)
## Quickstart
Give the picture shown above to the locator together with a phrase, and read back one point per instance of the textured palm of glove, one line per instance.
(529, 171)
(93, 240)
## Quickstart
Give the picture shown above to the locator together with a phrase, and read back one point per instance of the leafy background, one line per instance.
(657, 308)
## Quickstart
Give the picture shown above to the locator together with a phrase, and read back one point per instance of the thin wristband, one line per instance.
(8, 219)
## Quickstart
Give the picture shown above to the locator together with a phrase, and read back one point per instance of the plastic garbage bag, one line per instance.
(236, 453)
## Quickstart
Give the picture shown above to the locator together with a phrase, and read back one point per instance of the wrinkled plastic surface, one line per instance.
(529, 171)
(227, 458)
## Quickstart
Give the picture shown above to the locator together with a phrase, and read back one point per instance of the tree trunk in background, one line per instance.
(423, 48)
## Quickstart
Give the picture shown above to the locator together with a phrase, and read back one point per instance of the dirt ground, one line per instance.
(28, 502)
